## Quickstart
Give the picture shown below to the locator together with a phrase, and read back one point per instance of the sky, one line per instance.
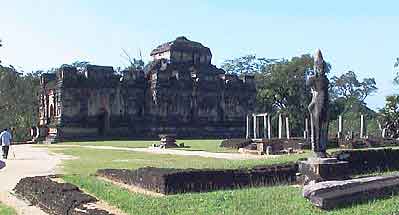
(361, 36)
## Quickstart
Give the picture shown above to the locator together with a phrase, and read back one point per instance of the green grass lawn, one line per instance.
(277, 200)
(268, 200)
(205, 145)
(4, 210)
(92, 159)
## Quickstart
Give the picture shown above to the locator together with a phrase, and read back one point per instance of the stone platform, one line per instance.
(333, 194)
(323, 169)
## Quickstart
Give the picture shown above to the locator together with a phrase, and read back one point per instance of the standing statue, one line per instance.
(318, 107)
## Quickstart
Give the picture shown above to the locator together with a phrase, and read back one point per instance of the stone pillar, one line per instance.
(362, 127)
(383, 133)
(264, 126)
(280, 126)
(248, 127)
(287, 127)
(269, 127)
(306, 130)
(254, 118)
(311, 131)
(257, 128)
(340, 126)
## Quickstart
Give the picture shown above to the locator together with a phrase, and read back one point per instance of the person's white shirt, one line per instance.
(5, 138)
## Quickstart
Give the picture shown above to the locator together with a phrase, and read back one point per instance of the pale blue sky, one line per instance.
(354, 35)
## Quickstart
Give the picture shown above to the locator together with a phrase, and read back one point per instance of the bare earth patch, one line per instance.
(25, 161)
(99, 204)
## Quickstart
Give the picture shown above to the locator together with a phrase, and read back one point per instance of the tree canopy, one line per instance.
(280, 84)
(248, 64)
(349, 87)
(19, 96)
(396, 65)
(134, 64)
(390, 116)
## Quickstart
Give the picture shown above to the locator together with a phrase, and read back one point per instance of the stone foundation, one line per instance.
(323, 169)
(174, 181)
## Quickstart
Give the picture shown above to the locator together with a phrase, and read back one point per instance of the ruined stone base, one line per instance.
(323, 169)
(332, 194)
(57, 198)
(174, 181)
(168, 141)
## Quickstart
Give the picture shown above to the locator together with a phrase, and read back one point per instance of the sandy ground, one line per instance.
(229, 156)
(24, 161)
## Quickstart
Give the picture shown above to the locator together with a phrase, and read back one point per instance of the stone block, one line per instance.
(323, 169)
(333, 194)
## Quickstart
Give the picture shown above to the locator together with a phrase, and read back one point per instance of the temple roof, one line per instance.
(181, 44)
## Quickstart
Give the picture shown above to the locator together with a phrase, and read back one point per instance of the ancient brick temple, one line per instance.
(179, 92)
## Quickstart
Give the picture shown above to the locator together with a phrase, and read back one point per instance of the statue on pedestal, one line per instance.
(318, 107)
(321, 167)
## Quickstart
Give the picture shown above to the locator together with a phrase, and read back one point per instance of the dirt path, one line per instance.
(229, 156)
(24, 161)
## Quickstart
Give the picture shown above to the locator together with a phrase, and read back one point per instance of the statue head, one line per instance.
(319, 63)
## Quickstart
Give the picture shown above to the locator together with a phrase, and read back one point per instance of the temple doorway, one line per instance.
(102, 122)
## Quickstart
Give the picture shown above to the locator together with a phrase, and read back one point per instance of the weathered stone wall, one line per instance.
(189, 100)
(370, 160)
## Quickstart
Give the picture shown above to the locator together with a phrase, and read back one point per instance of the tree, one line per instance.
(248, 64)
(281, 88)
(347, 95)
(78, 64)
(390, 116)
(18, 93)
(390, 113)
(349, 87)
(281, 85)
(396, 65)
(134, 64)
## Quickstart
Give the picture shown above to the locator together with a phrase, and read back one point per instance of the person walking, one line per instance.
(5, 138)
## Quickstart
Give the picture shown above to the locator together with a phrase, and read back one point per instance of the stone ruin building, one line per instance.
(179, 92)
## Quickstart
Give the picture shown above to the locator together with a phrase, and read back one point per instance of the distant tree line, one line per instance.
(281, 88)
(18, 100)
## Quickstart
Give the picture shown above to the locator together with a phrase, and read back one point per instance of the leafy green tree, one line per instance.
(347, 96)
(396, 65)
(390, 116)
(248, 64)
(349, 87)
(134, 64)
(77, 64)
(281, 85)
(19, 107)
(390, 113)
(281, 88)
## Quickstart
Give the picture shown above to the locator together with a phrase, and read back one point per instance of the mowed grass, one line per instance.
(89, 160)
(286, 200)
(4, 210)
(268, 200)
(210, 145)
